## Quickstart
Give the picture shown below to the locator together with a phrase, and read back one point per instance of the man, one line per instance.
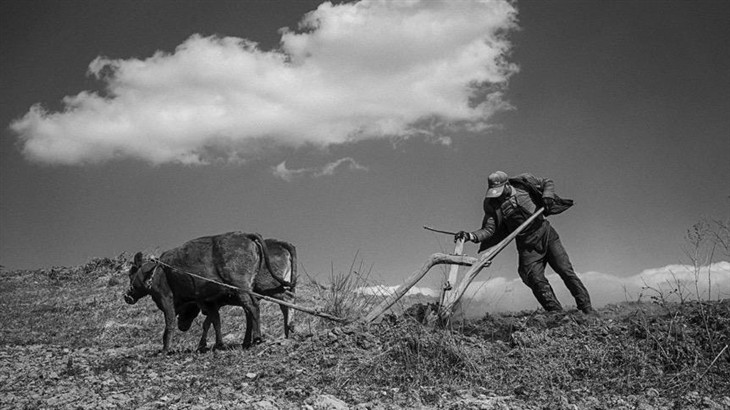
(510, 202)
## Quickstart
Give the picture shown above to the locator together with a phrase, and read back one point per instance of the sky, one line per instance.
(344, 128)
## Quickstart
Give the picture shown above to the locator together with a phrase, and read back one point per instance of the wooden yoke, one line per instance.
(452, 298)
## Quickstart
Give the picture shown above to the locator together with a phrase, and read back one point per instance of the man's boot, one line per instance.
(589, 311)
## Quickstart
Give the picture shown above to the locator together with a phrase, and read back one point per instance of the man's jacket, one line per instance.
(538, 188)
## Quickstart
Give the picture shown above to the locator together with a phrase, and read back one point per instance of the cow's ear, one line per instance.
(138, 260)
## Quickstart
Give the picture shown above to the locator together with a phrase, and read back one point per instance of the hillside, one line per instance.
(69, 341)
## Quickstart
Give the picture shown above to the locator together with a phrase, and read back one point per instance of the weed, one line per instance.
(342, 296)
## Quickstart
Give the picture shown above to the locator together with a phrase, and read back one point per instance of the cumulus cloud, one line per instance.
(500, 294)
(363, 70)
(288, 175)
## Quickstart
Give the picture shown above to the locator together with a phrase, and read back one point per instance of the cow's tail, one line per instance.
(265, 256)
(293, 252)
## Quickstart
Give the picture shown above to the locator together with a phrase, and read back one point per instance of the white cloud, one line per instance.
(363, 70)
(288, 175)
(348, 162)
(501, 294)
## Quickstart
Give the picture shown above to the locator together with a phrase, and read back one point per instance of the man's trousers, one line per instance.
(543, 247)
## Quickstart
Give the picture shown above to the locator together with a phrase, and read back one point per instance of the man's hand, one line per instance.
(549, 203)
(467, 236)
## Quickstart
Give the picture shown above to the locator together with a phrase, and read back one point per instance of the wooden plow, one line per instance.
(450, 295)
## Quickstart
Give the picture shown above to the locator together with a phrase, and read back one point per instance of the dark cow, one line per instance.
(233, 258)
(283, 257)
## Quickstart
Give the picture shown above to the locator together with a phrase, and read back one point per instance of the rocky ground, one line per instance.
(69, 341)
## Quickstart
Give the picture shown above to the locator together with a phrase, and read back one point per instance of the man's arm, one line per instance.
(553, 203)
(489, 226)
(543, 189)
(548, 188)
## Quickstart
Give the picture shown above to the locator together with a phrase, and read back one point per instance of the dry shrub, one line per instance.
(341, 297)
(688, 343)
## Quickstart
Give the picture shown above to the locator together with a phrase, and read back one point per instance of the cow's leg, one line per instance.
(165, 303)
(253, 329)
(216, 319)
(212, 316)
(249, 329)
(169, 329)
(285, 312)
(287, 324)
(203, 344)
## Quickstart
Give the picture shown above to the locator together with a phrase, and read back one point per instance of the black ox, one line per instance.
(283, 258)
(182, 281)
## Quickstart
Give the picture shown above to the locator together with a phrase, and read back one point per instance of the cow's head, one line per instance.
(140, 279)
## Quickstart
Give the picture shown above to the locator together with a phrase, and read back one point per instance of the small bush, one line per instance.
(342, 297)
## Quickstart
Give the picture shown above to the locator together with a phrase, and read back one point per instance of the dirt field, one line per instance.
(69, 341)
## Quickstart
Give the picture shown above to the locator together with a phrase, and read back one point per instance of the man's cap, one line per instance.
(496, 184)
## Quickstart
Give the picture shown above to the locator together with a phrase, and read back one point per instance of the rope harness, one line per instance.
(315, 312)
